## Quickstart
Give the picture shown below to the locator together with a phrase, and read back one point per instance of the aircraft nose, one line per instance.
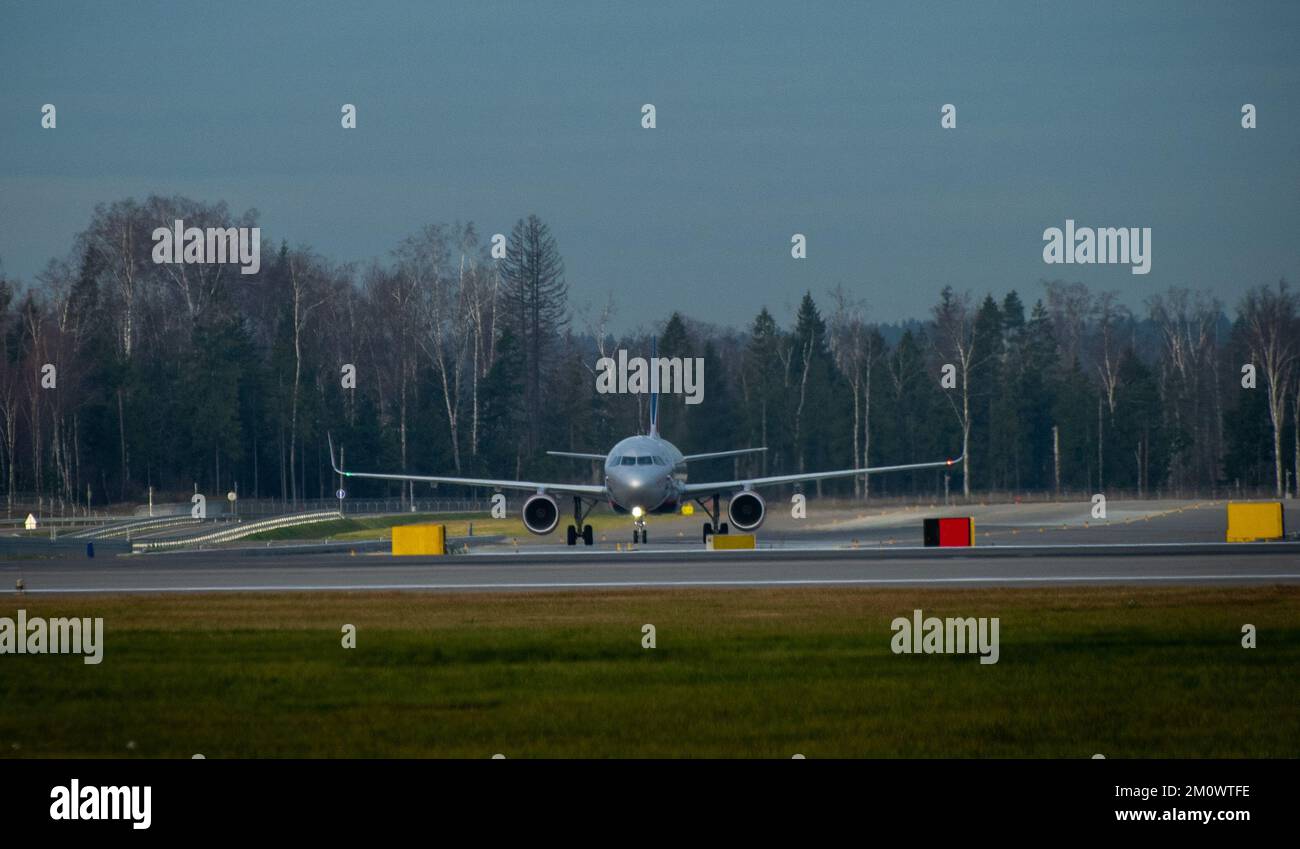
(636, 487)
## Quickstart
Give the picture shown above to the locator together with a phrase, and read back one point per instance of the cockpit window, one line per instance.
(659, 461)
(628, 461)
(645, 461)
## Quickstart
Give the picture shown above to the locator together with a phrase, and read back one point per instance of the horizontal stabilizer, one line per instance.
(716, 454)
(577, 455)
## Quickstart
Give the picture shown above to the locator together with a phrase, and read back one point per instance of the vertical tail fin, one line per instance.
(654, 386)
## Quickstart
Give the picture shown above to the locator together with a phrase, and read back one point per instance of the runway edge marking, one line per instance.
(775, 582)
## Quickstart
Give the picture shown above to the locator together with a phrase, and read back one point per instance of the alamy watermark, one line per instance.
(195, 245)
(933, 635)
(54, 636)
(74, 802)
(639, 376)
(1103, 245)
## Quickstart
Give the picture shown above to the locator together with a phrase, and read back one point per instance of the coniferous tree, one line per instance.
(1138, 425)
(763, 390)
(811, 400)
(504, 411)
(535, 310)
(986, 382)
(674, 414)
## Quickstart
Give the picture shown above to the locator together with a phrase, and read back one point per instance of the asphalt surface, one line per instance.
(217, 571)
(1139, 543)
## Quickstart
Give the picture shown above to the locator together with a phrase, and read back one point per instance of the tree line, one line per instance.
(447, 359)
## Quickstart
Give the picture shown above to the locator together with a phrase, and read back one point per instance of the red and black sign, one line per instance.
(947, 532)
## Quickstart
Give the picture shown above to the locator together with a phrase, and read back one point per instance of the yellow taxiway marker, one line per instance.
(730, 542)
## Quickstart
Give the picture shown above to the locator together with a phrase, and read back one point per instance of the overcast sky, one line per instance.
(773, 119)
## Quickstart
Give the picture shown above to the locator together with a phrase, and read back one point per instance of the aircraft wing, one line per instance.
(713, 455)
(752, 483)
(532, 486)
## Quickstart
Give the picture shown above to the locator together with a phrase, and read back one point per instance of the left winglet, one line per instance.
(334, 463)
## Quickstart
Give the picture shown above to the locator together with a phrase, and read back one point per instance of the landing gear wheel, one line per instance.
(636, 536)
(573, 535)
(708, 530)
(644, 537)
(722, 529)
(588, 538)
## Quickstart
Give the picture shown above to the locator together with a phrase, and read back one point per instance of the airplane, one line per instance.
(645, 474)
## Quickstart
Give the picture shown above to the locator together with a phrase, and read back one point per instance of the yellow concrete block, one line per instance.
(730, 542)
(1251, 521)
(419, 539)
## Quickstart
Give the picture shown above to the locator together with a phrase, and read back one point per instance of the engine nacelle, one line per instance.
(746, 510)
(541, 514)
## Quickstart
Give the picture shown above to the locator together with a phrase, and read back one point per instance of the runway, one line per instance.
(1004, 566)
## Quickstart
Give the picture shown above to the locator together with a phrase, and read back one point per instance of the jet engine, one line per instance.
(541, 514)
(746, 510)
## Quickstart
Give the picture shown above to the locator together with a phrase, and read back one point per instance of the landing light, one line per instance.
(637, 512)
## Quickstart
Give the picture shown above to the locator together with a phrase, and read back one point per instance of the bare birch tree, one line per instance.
(955, 340)
(1269, 317)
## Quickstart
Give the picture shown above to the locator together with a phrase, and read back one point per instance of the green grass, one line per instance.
(1119, 671)
(368, 527)
(380, 527)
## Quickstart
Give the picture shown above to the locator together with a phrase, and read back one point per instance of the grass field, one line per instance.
(1123, 672)
(380, 527)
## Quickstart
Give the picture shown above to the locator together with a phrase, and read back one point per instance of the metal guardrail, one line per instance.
(241, 530)
(68, 515)
(128, 528)
(246, 508)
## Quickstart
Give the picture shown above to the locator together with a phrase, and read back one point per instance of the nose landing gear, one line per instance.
(639, 532)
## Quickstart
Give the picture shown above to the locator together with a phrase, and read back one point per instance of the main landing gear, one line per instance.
(579, 514)
(713, 518)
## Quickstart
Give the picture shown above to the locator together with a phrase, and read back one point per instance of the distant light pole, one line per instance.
(1056, 457)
